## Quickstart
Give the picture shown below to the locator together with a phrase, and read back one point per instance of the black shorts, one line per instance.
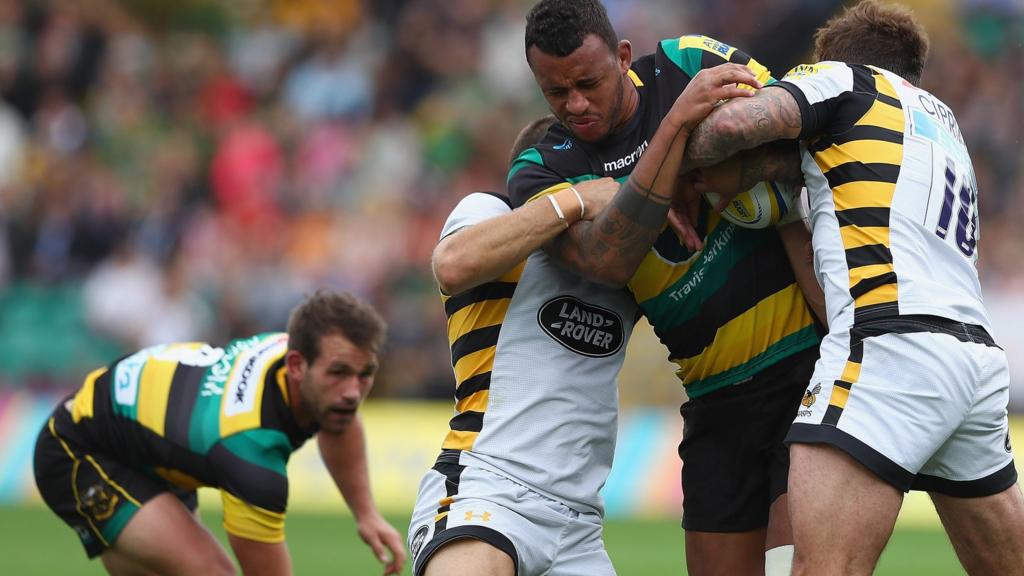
(734, 461)
(92, 492)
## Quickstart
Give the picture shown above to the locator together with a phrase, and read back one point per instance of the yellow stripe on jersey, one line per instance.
(154, 388)
(82, 406)
(477, 402)
(479, 315)
(549, 190)
(476, 363)
(885, 87)
(636, 79)
(869, 271)
(884, 116)
(655, 275)
(839, 396)
(749, 330)
(866, 151)
(883, 294)
(856, 236)
(459, 440)
(851, 373)
(863, 195)
(251, 522)
(704, 43)
(178, 478)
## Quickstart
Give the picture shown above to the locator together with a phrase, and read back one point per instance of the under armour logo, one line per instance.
(486, 516)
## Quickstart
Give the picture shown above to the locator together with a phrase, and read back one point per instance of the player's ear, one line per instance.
(624, 53)
(296, 365)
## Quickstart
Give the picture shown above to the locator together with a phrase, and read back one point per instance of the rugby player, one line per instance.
(120, 460)
(911, 390)
(535, 351)
(731, 314)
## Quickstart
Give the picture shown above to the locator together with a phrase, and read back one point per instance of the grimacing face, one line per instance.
(585, 90)
(336, 382)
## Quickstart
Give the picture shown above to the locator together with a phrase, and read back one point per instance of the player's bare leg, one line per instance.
(778, 542)
(987, 532)
(470, 557)
(842, 513)
(163, 537)
(725, 553)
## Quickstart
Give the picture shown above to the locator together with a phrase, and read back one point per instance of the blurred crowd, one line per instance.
(187, 169)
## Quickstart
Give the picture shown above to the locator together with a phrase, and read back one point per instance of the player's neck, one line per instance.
(630, 104)
(295, 404)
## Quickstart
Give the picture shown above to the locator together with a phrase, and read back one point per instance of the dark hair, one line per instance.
(558, 27)
(883, 35)
(531, 135)
(327, 312)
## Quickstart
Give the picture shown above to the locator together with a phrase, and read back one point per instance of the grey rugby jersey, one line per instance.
(536, 354)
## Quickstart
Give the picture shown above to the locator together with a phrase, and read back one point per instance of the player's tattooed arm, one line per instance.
(611, 247)
(777, 161)
(742, 124)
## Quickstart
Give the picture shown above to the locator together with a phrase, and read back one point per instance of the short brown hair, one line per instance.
(327, 312)
(531, 135)
(878, 34)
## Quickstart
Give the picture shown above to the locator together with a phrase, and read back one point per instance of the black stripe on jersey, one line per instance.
(252, 484)
(452, 473)
(710, 59)
(468, 421)
(474, 341)
(760, 274)
(101, 389)
(864, 217)
(866, 132)
(862, 172)
(868, 255)
(868, 284)
(886, 99)
(863, 79)
(182, 399)
(489, 291)
(739, 57)
(472, 385)
(275, 412)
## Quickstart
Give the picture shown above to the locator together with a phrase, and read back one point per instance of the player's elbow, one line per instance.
(452, 273)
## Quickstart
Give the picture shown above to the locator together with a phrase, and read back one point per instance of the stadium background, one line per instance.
(182, 170)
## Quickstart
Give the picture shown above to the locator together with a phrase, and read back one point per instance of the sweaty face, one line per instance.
(334, 385)
(585, 90)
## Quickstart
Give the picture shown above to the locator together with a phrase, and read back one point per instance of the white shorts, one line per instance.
(918, 400)
(541, 535)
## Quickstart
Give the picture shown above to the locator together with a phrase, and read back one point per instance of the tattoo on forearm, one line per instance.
(776, 161)
(742, 124)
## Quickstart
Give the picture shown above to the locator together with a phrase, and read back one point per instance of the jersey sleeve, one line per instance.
(530, 178)
(473, 209)
(251, 466)
(692, 53)
(819, 89)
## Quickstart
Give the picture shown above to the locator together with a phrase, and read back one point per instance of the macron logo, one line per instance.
(627, 160)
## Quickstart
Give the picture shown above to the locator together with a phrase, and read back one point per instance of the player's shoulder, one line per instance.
(558, 154)
(692, 53)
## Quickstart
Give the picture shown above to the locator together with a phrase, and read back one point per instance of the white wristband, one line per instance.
(583, 207)
(558, 210)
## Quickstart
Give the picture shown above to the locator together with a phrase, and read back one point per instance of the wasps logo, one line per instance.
(810, 396)
(98, 502)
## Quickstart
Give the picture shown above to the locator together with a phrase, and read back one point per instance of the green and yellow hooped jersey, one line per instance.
(725, 312)
(194, 415)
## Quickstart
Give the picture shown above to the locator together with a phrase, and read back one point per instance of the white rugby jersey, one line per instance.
(536, 354)
(893, 198)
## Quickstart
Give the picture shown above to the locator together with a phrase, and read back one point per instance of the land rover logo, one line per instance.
(583, 328)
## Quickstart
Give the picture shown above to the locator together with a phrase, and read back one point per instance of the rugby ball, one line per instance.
(760, 207)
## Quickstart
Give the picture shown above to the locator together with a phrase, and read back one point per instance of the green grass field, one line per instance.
(36, 543)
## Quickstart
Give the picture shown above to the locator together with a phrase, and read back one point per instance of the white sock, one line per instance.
(779, 561)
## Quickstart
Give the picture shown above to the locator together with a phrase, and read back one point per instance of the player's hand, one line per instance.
(682, 216)
(596, 195)
(381, 537)
(709, 87)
